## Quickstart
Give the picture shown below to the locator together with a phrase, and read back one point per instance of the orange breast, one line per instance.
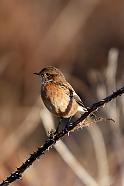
(57, 99)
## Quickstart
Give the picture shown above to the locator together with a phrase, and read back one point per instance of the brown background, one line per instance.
(78, 37)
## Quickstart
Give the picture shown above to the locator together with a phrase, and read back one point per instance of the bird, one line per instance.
(58, 95)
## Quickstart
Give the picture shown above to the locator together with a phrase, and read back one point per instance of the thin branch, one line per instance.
(111, 78)
(66, 154)
(54, 137)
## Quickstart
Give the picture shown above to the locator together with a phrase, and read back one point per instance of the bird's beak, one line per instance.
(36, 73)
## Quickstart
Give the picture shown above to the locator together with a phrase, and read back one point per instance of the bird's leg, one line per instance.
(60, 122)
(68, 122)
(65, 121)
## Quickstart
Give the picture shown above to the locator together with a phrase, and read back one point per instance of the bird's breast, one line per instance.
(58, 100)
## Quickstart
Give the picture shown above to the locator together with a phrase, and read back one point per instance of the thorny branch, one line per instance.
(54, 137)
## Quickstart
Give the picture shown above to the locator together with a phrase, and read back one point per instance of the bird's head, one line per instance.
(50, 73)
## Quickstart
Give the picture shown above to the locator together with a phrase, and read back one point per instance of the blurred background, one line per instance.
(85, 39)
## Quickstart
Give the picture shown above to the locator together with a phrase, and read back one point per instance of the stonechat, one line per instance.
(58, 95)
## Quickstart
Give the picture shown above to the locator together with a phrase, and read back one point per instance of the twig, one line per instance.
(111, 79)
(53, 138)
(66, 154)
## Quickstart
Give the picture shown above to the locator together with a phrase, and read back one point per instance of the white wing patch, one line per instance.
(81, 107)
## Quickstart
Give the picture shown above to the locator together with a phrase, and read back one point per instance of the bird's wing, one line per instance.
(72, 94)
(75, 96)
(79, 101)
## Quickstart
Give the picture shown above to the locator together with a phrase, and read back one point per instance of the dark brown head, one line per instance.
(50, 74)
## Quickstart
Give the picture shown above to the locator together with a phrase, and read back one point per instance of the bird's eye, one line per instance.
(47, 74)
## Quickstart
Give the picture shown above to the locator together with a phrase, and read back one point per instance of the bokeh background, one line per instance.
(85, 39)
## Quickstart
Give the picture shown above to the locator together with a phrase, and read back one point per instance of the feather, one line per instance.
(79, 101)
